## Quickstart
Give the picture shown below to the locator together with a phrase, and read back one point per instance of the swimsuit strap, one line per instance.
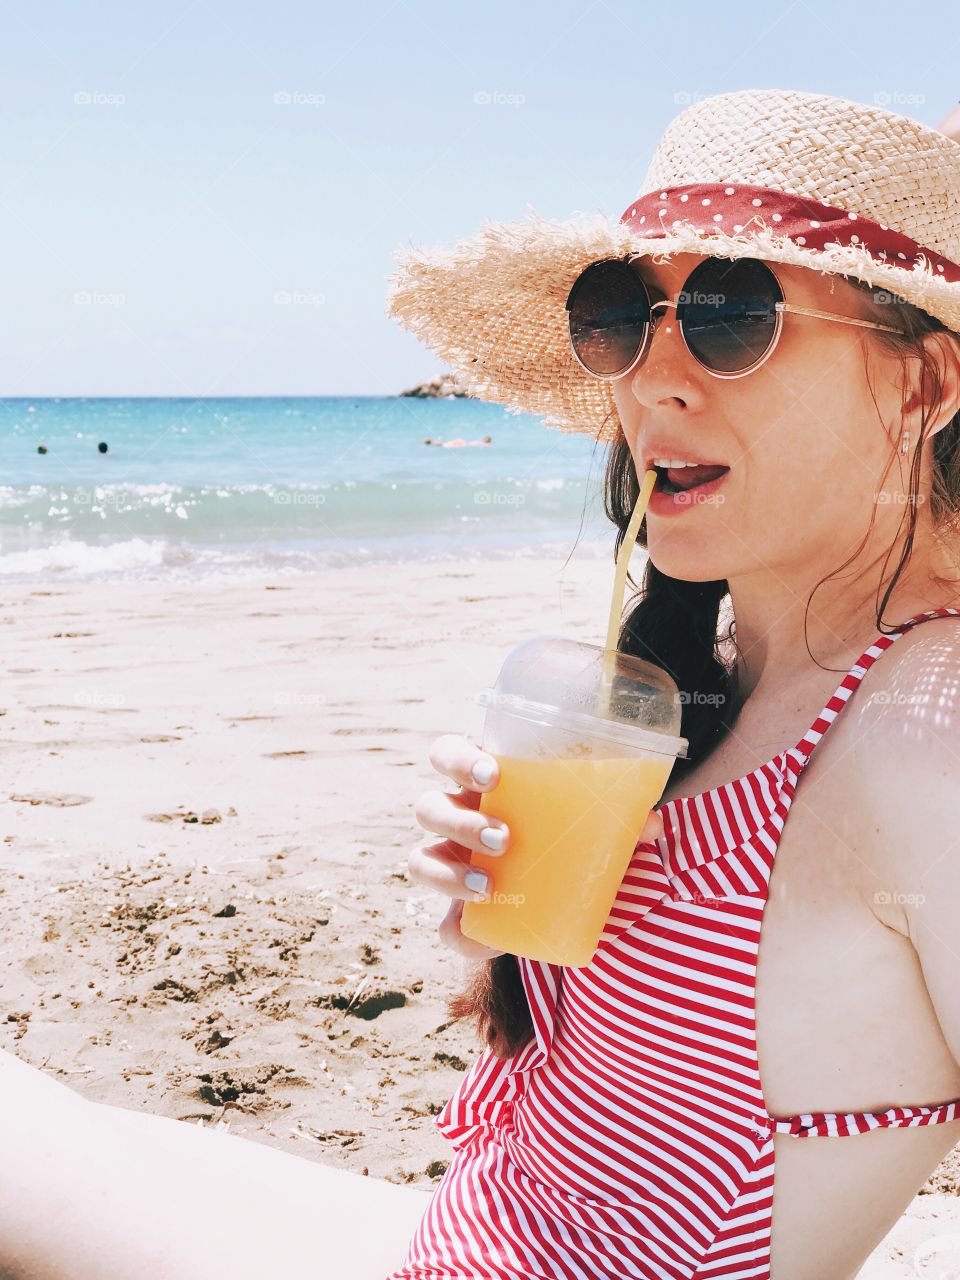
(856, 673)
(830, 1124)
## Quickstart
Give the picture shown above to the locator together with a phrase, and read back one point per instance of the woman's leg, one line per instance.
(95, 1192)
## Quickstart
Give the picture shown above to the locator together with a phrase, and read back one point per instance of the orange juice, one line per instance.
(574, 823)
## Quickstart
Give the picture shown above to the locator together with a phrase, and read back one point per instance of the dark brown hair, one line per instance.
(676, 624)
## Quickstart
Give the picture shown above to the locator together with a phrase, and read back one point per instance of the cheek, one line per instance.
(620, 398)
(818, 428)
(800, 461)
(789, 477)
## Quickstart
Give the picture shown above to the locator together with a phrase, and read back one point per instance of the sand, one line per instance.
(207, 810)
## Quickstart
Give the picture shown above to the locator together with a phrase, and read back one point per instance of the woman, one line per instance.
(615, 1125)
(627, 1118)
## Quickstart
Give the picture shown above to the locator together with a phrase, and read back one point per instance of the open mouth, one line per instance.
(683, 479)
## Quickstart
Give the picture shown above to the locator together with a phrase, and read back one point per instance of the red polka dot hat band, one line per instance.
(723, 208)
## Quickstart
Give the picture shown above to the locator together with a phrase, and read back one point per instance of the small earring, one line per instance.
(906, 442)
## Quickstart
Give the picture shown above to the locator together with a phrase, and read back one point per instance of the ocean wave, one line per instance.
(191, 488)
(229, 513)
(138, 559)
(81, 559)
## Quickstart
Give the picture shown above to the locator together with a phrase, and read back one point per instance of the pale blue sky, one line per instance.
(157, 196)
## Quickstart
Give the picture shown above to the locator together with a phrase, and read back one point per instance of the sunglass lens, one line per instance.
(729, 314)
(609, 311)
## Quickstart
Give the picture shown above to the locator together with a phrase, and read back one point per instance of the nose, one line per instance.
(662, 376)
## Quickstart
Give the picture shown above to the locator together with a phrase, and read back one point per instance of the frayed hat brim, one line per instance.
(493, 305)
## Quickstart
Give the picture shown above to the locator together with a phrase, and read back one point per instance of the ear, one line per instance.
(944, 347)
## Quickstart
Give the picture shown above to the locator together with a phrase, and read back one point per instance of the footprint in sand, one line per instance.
(206, 818)
(366, 729)
(368, 1008)
(51, 798)
(185, 815)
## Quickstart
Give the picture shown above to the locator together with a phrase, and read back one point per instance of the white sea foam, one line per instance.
(158, 559)
(81, 559)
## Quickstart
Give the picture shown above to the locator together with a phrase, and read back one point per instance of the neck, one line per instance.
(774, 627)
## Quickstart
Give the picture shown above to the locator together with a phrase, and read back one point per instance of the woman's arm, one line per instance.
(908, 764)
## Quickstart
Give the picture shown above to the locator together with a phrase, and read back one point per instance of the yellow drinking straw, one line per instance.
(619, 586)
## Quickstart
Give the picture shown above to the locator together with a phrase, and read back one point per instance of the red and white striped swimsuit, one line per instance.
(629, 1140)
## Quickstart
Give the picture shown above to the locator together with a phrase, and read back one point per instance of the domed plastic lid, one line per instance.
(561, 682)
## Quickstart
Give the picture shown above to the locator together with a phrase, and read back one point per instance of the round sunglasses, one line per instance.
(730, 314)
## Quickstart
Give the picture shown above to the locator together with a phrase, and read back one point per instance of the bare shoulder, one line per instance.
(903, 764)
(912, 690)
(906, 766)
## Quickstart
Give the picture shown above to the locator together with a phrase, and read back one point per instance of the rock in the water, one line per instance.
(442, 385)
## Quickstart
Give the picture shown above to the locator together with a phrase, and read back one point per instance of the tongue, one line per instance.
(689, 477)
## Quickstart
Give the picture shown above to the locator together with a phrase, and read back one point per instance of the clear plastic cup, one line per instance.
(585, 740)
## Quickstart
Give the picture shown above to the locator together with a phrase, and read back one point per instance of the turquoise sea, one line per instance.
(192, 488)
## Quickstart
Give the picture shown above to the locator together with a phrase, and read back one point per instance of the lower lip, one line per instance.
(670, 504)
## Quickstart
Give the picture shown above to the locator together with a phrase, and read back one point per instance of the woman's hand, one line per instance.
(445, 864)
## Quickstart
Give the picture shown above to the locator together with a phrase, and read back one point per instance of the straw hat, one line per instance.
(782, 175)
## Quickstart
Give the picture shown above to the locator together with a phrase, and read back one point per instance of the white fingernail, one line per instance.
(492, 838)
(483, 771)
(477, 881)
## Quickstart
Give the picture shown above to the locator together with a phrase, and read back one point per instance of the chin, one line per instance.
(686, 561)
